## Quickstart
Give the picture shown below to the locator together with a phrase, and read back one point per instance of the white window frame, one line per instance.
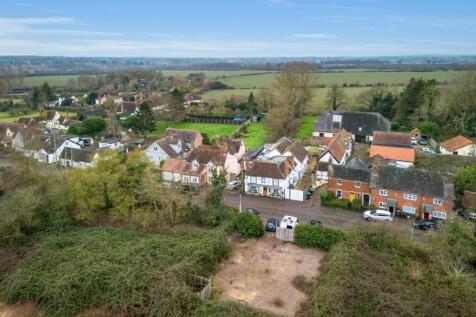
(194, 179)
(338, 194)
(262, 180)
(438, 201)
(253, 179)
(409, 210)
(339, 181)
(382, 205)
(438, 214)
(358, 184)
(383, 192)
(410, 196)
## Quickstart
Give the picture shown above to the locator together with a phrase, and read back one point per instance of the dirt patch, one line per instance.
(27, 309)
(261, 273)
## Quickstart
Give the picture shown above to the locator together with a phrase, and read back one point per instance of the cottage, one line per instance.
(7, 133)
(190, 138)
(412, 192)
(271, 177)
(393, 148)
(458, 145)
(184, 172)
(361, 125)
(160, 150)
(216, 158)
(78, 158)
(337, 148)
(351, 181)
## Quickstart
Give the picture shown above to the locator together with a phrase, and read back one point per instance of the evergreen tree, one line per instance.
(146, 120)
(47, 92)
(35, 97)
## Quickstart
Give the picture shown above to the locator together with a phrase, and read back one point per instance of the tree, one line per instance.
(145, 119)
(90, 126)
(381, 100)
(47, 93)
(91, 99)
(456, 110)
(465, 179)
(417, 101)
(336, 97)
(251, 98)
(294, 86)
(429, 128)
(215, 194)
(35, 97)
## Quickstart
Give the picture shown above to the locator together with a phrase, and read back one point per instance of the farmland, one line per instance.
(7, 117)
(59, 80)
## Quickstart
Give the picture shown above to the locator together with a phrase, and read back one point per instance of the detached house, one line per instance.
(458, 145)
(361, 125)
(271, 177)
(190, 138)
(8, 132)
(175, 143)
(217, 158)
(393, 148)
(184, 172)
(337, 148)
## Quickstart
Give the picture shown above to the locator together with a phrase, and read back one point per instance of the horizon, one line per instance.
(248, 29)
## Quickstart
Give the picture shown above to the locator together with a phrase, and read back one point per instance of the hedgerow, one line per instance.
(317, 236)
(248, 225)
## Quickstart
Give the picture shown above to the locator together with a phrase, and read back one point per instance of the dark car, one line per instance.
(309, 192)
(426, 225)
(271, 224)
(315, 222)
(187, 188)
(424, 140)
(254, 211)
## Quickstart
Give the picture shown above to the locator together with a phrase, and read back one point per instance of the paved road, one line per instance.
(311, 209)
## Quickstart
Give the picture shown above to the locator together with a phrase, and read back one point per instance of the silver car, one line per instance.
(232, 185)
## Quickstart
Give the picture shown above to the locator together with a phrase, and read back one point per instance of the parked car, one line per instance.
(187, 188)
(254, 211)
(239, 119)
(378, 214)
(271, 224)
(414, 141)
(309, 192)
(232, 185)
(315, 222)
(424, 140)
(425, 225)
(425, 150)
(289, 222)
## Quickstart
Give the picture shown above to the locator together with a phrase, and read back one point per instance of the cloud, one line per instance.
(314, 35)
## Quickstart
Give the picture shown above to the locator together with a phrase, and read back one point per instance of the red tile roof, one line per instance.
(455, 143)
(392, 138)
(393, 153)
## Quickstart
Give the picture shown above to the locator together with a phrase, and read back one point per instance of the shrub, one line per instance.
(356, 205)
(248, 225)
(317, 236)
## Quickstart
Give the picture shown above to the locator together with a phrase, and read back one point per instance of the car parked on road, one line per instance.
(414, 141)
(309, 192)
(232, 185)
(253, 211)
(425, 150)
(378, 214)
(271, 224)
(424, 140)
(315, 222)
(425, 225)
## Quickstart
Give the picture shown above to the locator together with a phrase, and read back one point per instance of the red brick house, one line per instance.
(412, 192)
(350, 181)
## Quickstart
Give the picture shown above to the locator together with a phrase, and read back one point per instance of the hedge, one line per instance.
(248, 225)
(317, 236)
(329, 200)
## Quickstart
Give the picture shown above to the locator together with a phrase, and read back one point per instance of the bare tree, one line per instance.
(336, 97)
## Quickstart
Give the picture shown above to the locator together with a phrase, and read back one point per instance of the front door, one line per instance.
(426, 215)
(391, 209)
(366, 200)
(265, 191)
(351, 196)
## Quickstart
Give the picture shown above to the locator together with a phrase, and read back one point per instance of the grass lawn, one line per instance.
(306, 127)
(255, 136)
(211, 129)
(58, 80)
(6, 117)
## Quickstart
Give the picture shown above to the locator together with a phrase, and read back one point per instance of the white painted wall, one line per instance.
(469, 150)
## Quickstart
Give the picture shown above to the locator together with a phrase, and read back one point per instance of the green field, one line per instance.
(6, 117)
(254, 137)
(316, 106)
(59, 80)
(355, 77)
(306, 127)
(213, 74)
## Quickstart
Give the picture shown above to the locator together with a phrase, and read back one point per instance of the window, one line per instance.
(357, 184)
(382, 205)
(338, 194)
(185, 179)
(194, 179)
(438, 214)
(252, 189)
(409, 196)
(155, 148)
(339, 181)
(275, 182)
(263, 180)
(321, 134)
(382, 192)
(408, 210)
(437, 201)
(253, 179)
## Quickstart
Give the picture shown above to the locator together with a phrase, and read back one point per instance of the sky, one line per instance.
(237, 28)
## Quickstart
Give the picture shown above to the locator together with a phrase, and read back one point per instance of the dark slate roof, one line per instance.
(164, 145)
(78, 155)
(187, 136)
(357, 123)
(277, 169)
(206, 154)
(356, 163)
(349, 172)
(298, 151)
(413, 181)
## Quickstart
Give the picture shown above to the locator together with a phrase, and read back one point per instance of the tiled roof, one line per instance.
(351, 173)
(298, 151)
(164, 145)
(78, 155)
(413, 181)
(393, 153)
(187, 136)
(455, 143)
(181, 166)
(392, 138)
(271, 168)
(233, 146)
(205, 154)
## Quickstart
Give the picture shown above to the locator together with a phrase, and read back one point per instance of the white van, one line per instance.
(289, 222)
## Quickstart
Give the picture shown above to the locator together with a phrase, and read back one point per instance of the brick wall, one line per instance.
(347, 187)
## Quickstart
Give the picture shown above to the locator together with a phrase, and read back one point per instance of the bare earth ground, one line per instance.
(20, 310)
(260, 273)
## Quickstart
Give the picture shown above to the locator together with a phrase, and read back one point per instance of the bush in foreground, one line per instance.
(248, 225)
(317, 236)
(120, 270)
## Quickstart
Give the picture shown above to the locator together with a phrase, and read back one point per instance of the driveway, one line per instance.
(311, 209)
